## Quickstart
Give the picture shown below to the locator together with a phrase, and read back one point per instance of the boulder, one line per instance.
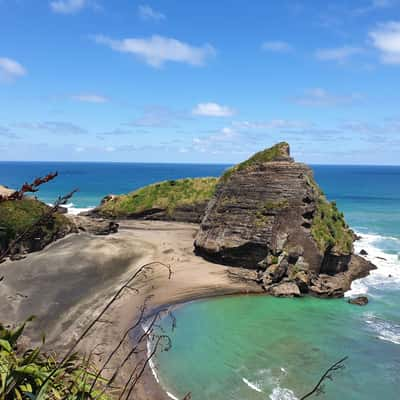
(363, 252)
(285, 289)
(359, 301)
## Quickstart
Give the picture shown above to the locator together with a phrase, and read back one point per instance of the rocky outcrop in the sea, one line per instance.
(182, 200)
(268, 214)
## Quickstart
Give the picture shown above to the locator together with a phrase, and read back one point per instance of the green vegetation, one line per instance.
(275, 205)
(30, 374)
(273, 153)
(329, 228)
(19, 216)
(164, 195)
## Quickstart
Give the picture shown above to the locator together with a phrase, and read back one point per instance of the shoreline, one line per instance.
(82, 272)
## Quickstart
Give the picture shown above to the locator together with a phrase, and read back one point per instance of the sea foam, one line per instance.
(388, 265)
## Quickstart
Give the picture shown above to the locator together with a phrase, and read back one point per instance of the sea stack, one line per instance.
(269, 214)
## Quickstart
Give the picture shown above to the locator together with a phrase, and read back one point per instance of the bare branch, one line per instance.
(327, 375)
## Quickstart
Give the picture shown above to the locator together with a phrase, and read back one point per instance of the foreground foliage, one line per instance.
(32, 374)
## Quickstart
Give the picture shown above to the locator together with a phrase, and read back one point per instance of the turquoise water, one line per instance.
(266, 348)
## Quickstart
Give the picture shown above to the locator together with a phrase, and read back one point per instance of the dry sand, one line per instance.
(67, 284)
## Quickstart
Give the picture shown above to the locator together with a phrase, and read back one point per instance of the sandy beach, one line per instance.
(67, 284)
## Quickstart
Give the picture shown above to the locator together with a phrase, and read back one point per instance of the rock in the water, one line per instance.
(360, 300)
(268, 209)
(363, 252)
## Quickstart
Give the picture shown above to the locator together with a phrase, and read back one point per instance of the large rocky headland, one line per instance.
(266, 214)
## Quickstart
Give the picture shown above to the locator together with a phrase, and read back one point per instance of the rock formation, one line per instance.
(182, 200)
(268, 214)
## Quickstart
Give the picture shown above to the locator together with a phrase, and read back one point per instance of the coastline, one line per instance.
(83, 271)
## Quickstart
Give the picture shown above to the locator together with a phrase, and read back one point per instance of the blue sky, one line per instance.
(199, 81)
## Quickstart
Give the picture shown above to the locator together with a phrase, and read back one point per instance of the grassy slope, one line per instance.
(19, 215)
(267, 155)
(165, 195)
(329, 228)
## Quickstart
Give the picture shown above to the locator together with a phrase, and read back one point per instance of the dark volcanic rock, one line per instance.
(268, 210)
(359, 301)
(363, 252)
(93, 226)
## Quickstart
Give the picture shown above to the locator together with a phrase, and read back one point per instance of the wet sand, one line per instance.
(68, 283)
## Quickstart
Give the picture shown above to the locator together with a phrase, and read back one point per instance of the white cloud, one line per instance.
(157, 50)
(147, 13)
(90, 98)
(386, 38)
(10, 70)
(321, 97)
(68, 6)
(213, 110)
(277, 46)
(338, 54)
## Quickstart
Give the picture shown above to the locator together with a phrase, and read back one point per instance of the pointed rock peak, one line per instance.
(278, 152)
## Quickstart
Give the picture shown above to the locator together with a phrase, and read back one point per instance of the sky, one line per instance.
(199, 81)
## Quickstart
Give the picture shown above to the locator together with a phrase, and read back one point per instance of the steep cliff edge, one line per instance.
(268, 214)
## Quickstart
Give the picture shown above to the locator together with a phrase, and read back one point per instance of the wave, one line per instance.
(385, 329)
(152, 366)
(282, 394)
(76, 210)
(252, 385)
(71, 209)
(388, 265)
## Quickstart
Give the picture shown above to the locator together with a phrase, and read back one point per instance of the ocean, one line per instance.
(256, 347)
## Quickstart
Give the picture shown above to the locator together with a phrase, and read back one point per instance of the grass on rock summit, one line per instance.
(166, 195)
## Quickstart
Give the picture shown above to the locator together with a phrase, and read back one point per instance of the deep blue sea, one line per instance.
(259, 347)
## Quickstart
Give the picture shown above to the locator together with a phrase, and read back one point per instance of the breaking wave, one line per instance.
(384, 252)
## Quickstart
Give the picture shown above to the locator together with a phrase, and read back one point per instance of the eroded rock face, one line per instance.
(268, 214)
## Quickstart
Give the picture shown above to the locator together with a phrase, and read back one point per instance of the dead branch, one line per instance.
(318, 388)
(29, 187)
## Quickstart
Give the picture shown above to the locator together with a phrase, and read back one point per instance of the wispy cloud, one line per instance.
(321, 97)
(338, 54)
(56, 127)
(10, 70)
(157, 117)
(90, 98)
(147, 13)
(7, 133)
(213, 110)
(386, 38)
(373, 5)
(273, 124)
(277, 46)
(157, 50)
(71, 6)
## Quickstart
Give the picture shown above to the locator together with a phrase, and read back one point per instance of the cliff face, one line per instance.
(268, 214)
